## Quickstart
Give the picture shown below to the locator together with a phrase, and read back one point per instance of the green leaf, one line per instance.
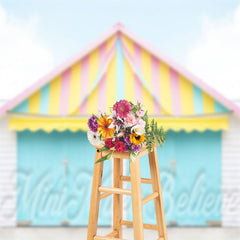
(145, 117)
(104, 148)
(132, 156)
(107, 157)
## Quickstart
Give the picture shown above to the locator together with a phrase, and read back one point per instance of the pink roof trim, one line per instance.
(194, 79)
(119, 27)
(60, 69)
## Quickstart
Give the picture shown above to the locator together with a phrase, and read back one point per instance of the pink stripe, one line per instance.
(137, 82)
(156, 84)
(102, 94)
(137, 56)
(102, 84)
(174, 81)
(84, 85)
(65, 91)
(83, 108)
(102, 54)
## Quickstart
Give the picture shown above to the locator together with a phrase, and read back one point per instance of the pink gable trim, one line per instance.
(155, 52)
(60, 69)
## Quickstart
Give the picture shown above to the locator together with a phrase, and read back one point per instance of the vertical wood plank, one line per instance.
(136, 199)
(117, 198)
(156, 185)
(95, 198)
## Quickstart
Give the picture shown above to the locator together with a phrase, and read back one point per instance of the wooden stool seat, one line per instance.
(100, 192)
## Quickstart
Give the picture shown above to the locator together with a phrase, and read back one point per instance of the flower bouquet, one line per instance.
(126, 129)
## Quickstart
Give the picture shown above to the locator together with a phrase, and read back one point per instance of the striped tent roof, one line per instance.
(117, 66)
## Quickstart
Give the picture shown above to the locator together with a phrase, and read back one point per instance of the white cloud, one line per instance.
(23, 57)
(216, 55)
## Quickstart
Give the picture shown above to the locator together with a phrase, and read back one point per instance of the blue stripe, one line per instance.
(22, 107)
(44, 102)
(219, 108)
(120, 71)
(198, 100)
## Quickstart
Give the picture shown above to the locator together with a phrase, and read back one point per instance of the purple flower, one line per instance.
(92, 124)
(136, 148)
(126, 148)
(127, 140)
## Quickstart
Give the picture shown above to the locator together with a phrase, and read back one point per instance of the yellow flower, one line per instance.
(103, 128)
(137, 139)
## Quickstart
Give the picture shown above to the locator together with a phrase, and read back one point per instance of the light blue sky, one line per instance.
(172, 26)
(192, 32)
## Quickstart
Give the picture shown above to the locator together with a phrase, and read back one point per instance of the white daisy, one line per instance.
(94, 138)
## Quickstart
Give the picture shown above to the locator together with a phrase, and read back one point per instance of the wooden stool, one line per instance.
(99, 192)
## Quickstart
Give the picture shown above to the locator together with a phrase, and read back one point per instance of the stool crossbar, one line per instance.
(100, 192)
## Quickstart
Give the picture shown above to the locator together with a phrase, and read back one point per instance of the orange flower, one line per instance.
(103, 128)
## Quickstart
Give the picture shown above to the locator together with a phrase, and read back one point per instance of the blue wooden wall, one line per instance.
(55, 176)
(51, 192)
(190, 170)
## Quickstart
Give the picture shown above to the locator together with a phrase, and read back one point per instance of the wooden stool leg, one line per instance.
(136, 199)
(156, 185)
(117, 198)
(95, 198)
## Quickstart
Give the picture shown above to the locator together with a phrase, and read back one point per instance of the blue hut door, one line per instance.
(55, 176)
(190, 170)
(54, 179)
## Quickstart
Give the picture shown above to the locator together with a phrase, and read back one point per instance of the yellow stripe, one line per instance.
(92, 102)
(191, 124)
(208, 103)
(186, 96)
(129, 44)
(146, 71)
(165, 89)
(34, 102)
(128, 82)
(111, 83)
(76, 124)
(164, 112)
(55, 91)
(75, 83)
(110, 42)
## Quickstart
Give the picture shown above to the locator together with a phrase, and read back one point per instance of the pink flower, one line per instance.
(130, 120)
(122, 108)
(141, 122)
(140, 113)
